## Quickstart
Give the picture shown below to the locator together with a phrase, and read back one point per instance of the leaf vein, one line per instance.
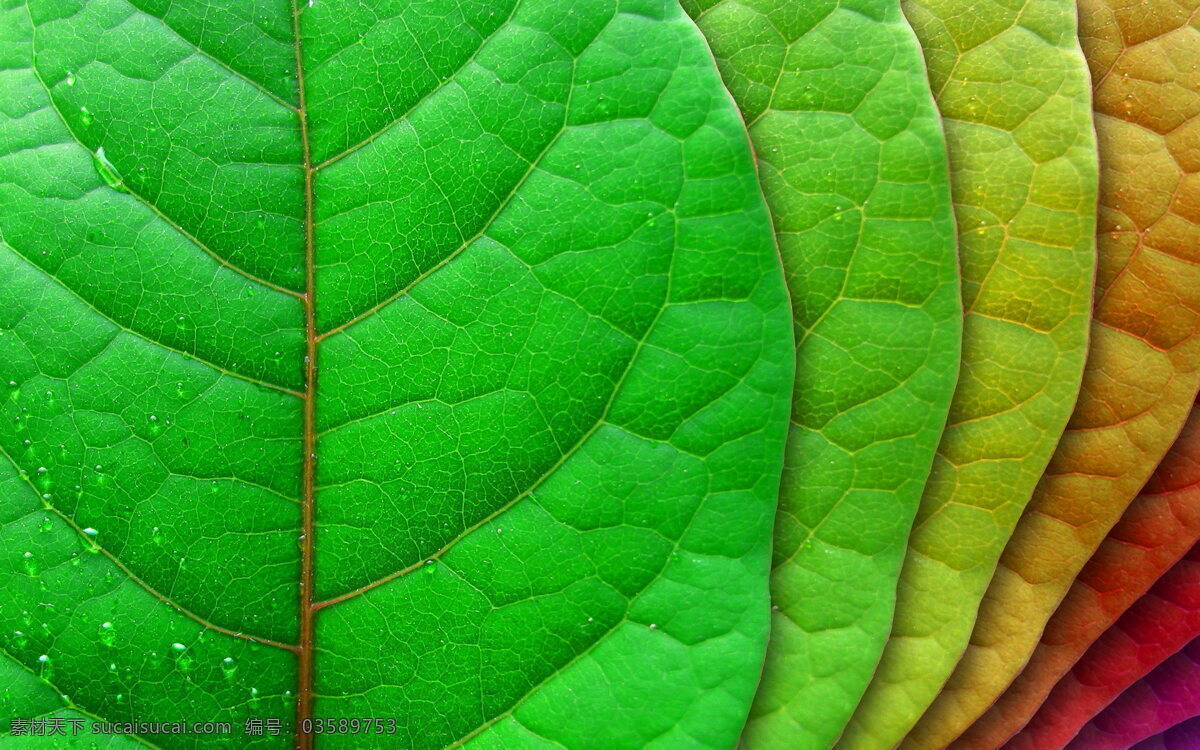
(133, 576)
(145, 337)
(424, 98)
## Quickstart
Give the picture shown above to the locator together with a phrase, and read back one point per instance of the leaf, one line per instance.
(1183, 736)
(1019, 131)
(445, 381)
(1143, 367)
(1155, 532)
(853, 163)
(31, 698)
(1157, 626)
(1167, 696)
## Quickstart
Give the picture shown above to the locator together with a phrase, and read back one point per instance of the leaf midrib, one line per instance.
(305, 648)
(306, 643)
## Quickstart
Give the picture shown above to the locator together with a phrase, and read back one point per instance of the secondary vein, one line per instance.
(46, 506)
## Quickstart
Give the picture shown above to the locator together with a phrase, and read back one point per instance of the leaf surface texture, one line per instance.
(853, 162)
(1162, 699)
(1158, 528)
(1157, 626)
(1011, 86)
(426, 360)
(1183, 736)
(1143, 366)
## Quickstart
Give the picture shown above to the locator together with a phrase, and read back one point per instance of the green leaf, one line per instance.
(1014, 93)
(853, 163)
(434, 366)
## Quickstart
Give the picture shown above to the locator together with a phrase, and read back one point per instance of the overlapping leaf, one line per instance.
(1143, 366)
(1012, 88)
(466, 314)
(1155, 532)
(853, 163)
(1158, 625)
(1167, 696)
(1183, 736)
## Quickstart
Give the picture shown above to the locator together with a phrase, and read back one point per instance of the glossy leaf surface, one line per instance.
(1144, 362)
(853, 162)
(1167, 696)
(421, 360)
(1155, 532)
(1018, 124)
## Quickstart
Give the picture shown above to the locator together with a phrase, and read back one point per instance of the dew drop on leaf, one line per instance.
(106, 170)
(29, 564)
(45, 668)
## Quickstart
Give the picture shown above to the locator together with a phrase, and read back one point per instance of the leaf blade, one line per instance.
(617, 316)
(1155, 532)
(1021, 361)
(1143, 366)
(860, 199)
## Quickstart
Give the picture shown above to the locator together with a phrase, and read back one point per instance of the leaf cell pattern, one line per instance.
(1158, 625)
(1011, 86)
(1143, 366)
(853, 163)
(1155, 532)
(1162, 699)
(427, 360)
(493, 367)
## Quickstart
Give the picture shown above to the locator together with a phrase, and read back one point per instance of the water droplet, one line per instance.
(107, 636)
(107, 171)
(91, 532)
(29, 564)
(228, 666)
(653, 626)
(179, 653)
(86, 116)
(70, 78)
(46, 525)
(45, 668)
